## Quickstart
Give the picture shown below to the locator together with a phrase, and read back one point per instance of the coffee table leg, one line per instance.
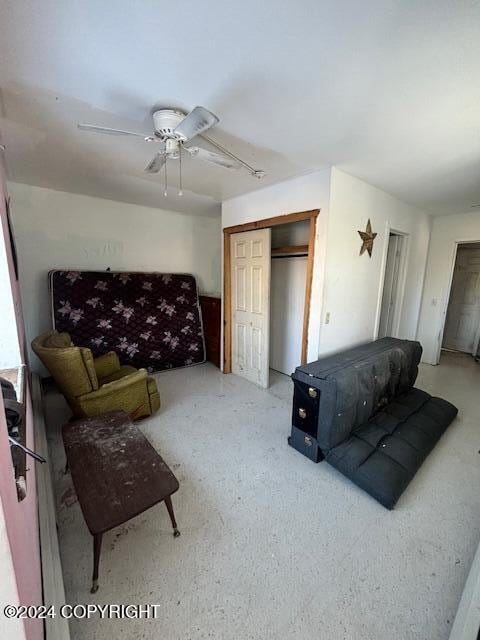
(168, 503)
(97, 546)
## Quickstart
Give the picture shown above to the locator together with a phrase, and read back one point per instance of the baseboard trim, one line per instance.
(52, 576)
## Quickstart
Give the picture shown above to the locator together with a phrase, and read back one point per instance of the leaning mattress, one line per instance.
(152, 320)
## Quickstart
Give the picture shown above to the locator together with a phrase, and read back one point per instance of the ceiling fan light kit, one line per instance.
(172, 129)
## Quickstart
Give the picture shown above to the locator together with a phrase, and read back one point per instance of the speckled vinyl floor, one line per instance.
(274, 546)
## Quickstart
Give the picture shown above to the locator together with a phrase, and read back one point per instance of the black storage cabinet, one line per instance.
(306, 402)
(315, 393)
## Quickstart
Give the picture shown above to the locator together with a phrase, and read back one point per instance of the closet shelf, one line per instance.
(290, 250)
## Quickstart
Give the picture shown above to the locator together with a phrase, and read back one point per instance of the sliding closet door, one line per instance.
(250, 259)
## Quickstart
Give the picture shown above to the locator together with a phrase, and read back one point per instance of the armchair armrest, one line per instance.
(118, 386)
(106, 364)
(129, 394)
(135, 393)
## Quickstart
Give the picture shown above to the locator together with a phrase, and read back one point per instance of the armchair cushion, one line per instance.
(106, 364)
(121, 372)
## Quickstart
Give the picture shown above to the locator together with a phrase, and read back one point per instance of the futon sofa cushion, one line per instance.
(383, 454)
(371, 423)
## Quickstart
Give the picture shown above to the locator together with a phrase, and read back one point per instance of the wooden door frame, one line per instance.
(266, 223)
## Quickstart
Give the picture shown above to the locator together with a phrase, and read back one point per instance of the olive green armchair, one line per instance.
(93, 386)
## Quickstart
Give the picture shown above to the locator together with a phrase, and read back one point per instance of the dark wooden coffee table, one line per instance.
(117, 475)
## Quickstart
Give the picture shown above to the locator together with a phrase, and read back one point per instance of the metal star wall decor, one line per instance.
(368, 237)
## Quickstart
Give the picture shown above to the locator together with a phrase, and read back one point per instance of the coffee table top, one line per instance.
(116, 472)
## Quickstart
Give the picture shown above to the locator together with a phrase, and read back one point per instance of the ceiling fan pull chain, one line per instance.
(165, 189)
(180, 190)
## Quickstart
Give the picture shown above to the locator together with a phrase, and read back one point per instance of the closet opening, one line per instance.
(287, 295)
(462, 323)
(268, 268)
(393, 286)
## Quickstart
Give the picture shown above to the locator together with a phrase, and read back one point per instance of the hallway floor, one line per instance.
(272, 545)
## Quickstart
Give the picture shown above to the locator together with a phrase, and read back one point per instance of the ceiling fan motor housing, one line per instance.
(165, 121)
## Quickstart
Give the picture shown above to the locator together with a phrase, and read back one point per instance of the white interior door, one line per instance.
(250, 259)
(463, 313)
(390, 286)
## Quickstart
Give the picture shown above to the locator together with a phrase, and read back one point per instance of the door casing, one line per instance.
(227, 283)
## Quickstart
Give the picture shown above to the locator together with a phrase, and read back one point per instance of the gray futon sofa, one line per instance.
(360, 411)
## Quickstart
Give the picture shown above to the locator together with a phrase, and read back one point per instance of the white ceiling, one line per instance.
(387, 90)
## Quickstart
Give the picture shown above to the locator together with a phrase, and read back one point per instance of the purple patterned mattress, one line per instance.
(150, 320)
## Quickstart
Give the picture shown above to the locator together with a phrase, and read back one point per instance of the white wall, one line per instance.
(9, 346)
(447, 231)
(54, 230)
(304, 193)
(346, 286)
(353, 283)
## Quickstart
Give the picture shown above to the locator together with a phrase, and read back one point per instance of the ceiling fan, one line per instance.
(174, 129)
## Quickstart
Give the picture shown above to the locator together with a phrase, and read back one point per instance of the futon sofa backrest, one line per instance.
(356, 383)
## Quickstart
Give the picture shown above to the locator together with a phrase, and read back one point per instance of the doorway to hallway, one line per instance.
(462, 324)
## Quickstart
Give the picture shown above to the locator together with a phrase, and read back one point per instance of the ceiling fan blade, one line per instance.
(156, 163)
(111, 132)
(197, 121)
(211, 156)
